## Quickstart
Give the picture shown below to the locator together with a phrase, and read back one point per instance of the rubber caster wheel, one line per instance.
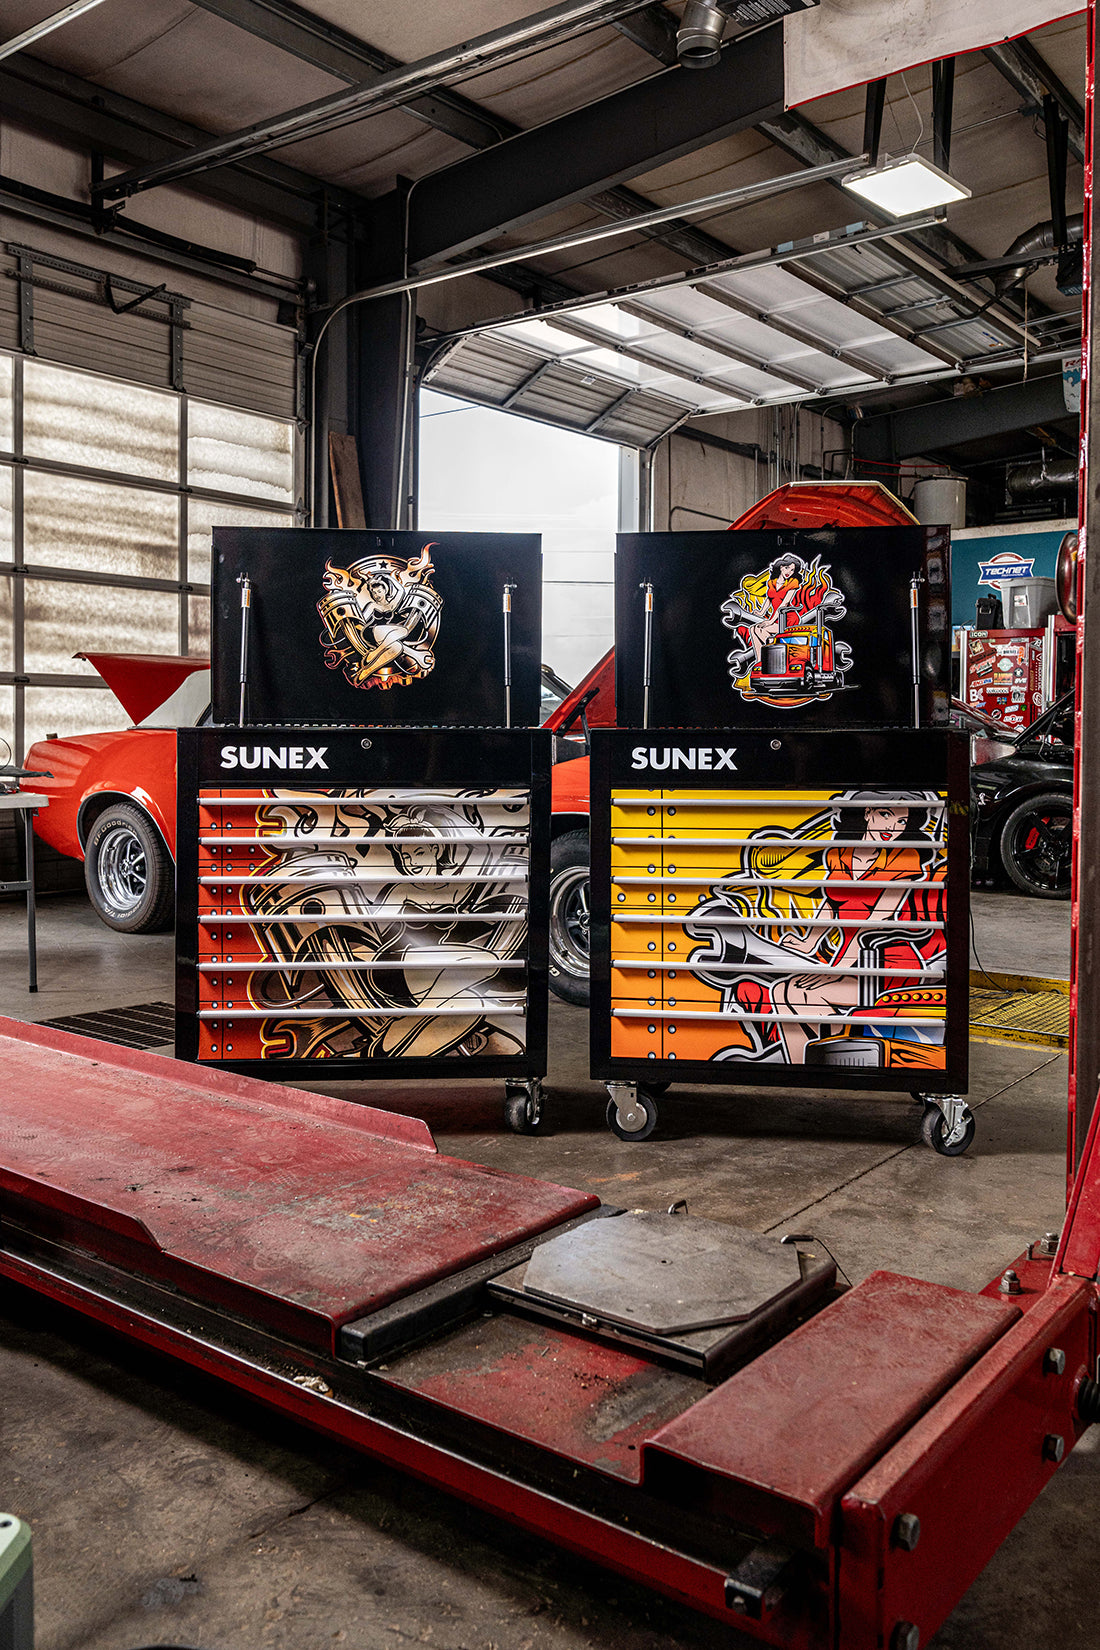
(949, 1142)
(523, 1109)
(638, 1122)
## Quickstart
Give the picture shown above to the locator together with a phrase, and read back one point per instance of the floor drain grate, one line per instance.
(138, 1025)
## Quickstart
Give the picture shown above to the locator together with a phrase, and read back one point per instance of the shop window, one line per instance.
(97, 423)
(7, 638)
(71, 710)
(204, 514)
(237, 452)
(63, 618)
(134, 539)
(7, 415)
(6, 522)
(72, 522)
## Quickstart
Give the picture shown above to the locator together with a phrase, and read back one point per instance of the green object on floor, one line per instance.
(16, 1585)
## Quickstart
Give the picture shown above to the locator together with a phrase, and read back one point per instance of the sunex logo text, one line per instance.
(274, 756)
(703, 759)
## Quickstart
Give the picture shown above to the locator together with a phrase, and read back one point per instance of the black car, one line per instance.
(1021, 807)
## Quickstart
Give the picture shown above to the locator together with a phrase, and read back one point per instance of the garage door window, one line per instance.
(108, 494)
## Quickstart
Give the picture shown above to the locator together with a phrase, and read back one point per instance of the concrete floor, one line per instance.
(168, 1512)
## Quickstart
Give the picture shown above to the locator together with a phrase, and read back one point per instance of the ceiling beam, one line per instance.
(40, 96)
(38, 31)
(794, 255)
(654, 30)
(564, 21)
(311, 40)
(1031, 76)
(916, 432)
(572, 158)
(794, 133)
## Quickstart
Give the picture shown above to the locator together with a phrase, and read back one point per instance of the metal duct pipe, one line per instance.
(699, 37)
(1039, 238)
(1059, 476)
(538, 30)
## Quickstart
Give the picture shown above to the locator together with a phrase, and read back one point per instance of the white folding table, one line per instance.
(26, 803)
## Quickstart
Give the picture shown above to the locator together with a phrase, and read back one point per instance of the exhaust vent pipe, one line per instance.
(1060, 476)
(1039, 238)
(699, 37)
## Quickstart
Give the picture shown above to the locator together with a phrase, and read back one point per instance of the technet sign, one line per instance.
(1008, 565)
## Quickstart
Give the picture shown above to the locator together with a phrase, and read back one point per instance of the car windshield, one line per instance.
(554, 690)
(188, 707)
(1055, 726)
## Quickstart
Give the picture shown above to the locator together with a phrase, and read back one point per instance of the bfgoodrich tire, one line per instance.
(1037, 845)
(569, 917)
(128, 872)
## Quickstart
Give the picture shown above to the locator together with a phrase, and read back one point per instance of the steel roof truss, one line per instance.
(395, 86)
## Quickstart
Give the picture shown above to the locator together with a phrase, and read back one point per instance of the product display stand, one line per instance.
(364, 840)
(366, 903)
(780, 892)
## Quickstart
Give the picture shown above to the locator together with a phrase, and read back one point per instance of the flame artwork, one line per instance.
(782, 619)
(380, 618)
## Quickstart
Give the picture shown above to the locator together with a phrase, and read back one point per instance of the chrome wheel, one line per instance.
(569, 920)
(122, 869)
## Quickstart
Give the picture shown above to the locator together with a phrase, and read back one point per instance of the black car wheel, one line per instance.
(128, 872)
(569, 917)
(1037, 845)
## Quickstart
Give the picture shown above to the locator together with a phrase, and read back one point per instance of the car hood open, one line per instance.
(141, 682)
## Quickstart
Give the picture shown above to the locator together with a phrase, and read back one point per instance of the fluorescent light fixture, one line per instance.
(904, 185)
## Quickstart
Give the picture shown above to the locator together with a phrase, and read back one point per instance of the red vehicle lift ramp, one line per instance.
(829, 1471)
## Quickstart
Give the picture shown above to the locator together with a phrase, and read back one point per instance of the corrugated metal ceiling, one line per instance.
(683, 350)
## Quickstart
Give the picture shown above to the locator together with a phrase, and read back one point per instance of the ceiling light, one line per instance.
(699, 37)
(905, 184)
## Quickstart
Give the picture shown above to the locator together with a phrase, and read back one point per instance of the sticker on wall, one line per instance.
(1007, 565)
(380, 618)
(785, 652)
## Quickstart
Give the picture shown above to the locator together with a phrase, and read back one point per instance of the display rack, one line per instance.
(367, 903)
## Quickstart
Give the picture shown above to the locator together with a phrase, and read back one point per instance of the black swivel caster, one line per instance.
(631, 1111)
(523, 1105)
(948, 1124)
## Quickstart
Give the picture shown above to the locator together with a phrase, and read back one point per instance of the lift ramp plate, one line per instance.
(663, 1273)
(295, 1211)
(700, 1294)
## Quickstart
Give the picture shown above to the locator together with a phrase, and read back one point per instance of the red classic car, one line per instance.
(113, 797)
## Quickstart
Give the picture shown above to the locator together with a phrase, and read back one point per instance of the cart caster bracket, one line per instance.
(631, 1111)
(948, 1124)
(523, 1098)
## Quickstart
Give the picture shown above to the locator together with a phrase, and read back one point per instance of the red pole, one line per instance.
(1084, 1010)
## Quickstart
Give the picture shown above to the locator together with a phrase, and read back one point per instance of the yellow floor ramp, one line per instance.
(1019, 1008)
